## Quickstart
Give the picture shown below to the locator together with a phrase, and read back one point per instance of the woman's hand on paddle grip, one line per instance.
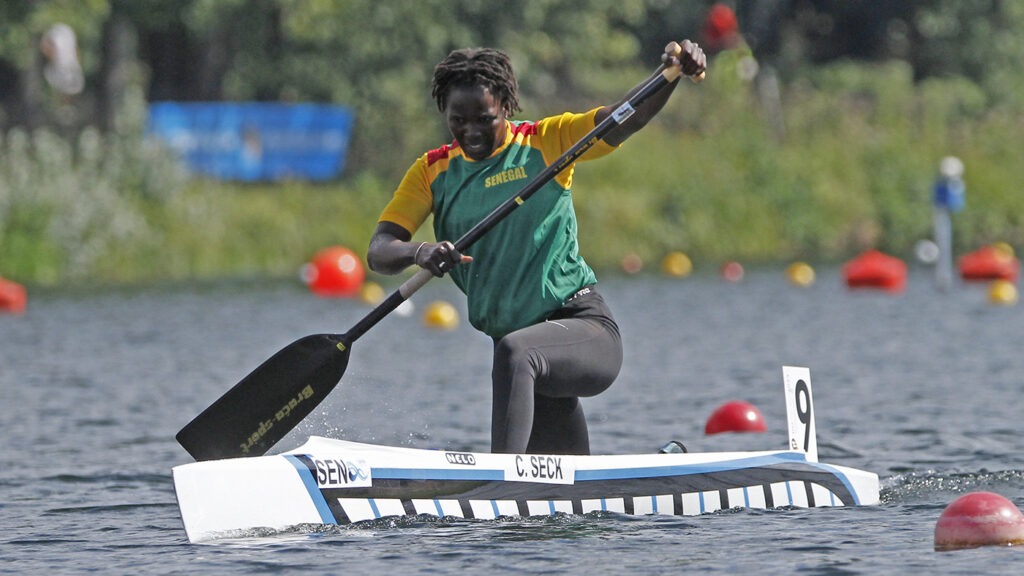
(439, 257)
(689, 56)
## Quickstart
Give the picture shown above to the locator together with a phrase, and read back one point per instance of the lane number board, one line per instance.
(800, 411)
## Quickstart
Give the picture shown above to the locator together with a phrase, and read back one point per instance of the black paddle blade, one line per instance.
(269, 402)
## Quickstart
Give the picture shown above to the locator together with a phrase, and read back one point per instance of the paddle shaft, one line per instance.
(664, 76)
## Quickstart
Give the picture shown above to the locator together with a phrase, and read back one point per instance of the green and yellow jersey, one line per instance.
(529, 263)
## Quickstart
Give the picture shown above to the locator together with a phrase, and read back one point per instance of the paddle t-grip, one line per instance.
(676, 50)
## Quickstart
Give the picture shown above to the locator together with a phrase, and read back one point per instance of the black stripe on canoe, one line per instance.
(596, 489)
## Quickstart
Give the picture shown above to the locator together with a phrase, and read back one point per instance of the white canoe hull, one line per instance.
(336, 482)
(328, 481)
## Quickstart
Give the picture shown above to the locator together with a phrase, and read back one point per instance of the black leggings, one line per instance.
(541, 371)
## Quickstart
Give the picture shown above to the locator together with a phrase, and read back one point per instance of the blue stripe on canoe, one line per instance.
(437, 474)
(603, 474)
(326, 516)
(842, 478)
(688, 469)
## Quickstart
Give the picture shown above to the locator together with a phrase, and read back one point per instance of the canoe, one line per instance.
(330, 481)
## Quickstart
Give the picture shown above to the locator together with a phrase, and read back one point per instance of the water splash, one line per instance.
(925, 486)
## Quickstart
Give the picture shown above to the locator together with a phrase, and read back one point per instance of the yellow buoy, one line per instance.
(1003, 249)
(371, 293)
(441, 315)
(800, 273)
(1003, 293)
(676, 264)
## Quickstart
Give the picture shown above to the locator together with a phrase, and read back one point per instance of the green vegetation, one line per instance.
(711, 177)
(818, 158)
(853, 171)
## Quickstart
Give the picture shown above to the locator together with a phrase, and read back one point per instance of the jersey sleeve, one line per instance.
(412, 201)
(558, 133)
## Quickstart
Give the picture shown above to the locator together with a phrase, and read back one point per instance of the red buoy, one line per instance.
(335, 271)
(721, 29)
(873, 269)
(732, 271)
(989, 263)
(735, 416)
(13, 298)
(632, 263)
(979, 519)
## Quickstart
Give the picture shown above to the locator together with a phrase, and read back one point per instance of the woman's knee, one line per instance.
(512, 354)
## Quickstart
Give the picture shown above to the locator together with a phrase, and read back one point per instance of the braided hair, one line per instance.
(485, 67)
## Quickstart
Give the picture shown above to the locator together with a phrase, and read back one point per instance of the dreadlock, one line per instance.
(485, 67)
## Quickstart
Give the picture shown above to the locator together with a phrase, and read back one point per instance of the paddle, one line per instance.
(268, 403)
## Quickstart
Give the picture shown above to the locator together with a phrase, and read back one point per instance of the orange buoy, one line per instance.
(735, 416)
(979, 519)
(13, 297)
(335, 271)
(873, 269)
(993, 262)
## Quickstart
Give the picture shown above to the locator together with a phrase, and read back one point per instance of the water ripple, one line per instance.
(922, 389)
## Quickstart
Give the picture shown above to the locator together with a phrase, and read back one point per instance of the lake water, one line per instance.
(922, 388)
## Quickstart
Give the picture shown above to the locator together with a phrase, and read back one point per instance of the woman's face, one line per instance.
(476, 120)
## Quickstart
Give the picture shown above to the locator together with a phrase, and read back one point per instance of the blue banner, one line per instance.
(256, 141)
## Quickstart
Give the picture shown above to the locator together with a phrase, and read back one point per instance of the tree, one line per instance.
(377, 57)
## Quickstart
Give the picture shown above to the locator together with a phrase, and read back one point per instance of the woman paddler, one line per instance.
(527, 285)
